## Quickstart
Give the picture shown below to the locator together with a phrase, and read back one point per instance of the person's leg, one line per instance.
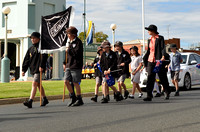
(133, 91)
(119, 87)
(34, 90)
(139, 90)
(164, 81)
(150, 81)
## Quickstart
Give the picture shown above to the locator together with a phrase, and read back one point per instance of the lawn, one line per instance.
(22, 89)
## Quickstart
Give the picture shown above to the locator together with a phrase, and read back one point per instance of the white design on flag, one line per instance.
(53, 35)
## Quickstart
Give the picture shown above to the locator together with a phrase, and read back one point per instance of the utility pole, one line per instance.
(143, 31)
(84, 42)
(168, 30)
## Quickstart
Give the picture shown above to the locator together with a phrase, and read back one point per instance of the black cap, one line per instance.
(35, 34)
(173, 46)
(118, 43)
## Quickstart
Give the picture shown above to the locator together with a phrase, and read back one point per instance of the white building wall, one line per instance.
(25, 18)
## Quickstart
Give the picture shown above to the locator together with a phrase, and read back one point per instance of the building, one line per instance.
(25, 18)
(139, 44)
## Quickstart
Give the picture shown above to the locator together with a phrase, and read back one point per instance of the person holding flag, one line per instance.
(123, 60)
(74, 66)
(36, 63)
(155, 52)
(108, 65)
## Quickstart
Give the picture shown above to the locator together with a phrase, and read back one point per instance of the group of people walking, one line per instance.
(110, 66)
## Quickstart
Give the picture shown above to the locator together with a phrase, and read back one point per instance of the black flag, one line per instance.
(53, 35)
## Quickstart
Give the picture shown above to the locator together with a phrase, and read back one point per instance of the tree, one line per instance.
(100, 36)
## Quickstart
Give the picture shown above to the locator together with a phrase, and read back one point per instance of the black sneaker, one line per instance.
(121, 97)
(157, 95)
(176, 93)
(79, 102)
(147, 99)
(118, 96)
(104, 100)
(73, 100)
(108, 97)
(94, 98)
(45, 102)
(126, 93)
(167, 96)
(28, 103)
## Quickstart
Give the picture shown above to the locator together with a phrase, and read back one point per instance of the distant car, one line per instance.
(189, 74)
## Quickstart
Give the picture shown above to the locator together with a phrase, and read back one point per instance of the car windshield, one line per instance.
(184, 57)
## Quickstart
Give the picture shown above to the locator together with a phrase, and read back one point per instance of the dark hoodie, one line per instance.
(33, 60)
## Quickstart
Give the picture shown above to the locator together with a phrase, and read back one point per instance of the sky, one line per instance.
(180, 17)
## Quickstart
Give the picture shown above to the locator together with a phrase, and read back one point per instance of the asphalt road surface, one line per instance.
(179, 114)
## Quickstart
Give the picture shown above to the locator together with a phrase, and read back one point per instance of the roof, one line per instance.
(137, 41)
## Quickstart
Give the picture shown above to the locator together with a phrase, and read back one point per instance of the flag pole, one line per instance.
(40, 83)
(64, 81)
(84, 40)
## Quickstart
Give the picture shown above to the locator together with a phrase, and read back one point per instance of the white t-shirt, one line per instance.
(135, 62)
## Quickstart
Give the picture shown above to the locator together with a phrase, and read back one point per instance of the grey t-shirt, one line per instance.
(135, 62)
(175, 61)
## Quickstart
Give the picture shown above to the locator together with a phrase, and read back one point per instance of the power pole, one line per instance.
(84, 42)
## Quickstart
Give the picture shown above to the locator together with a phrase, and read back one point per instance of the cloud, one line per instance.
(182, 16)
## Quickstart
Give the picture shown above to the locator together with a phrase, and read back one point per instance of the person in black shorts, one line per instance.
(36, 64)
(74, 66)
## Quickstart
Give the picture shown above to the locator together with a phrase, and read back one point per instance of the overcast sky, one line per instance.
(181, 16)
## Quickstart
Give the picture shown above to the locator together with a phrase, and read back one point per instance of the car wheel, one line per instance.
(187, 82)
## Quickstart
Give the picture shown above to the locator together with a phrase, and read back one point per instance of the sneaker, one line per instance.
(157, 95)
(79, 102)
(108, 97)
(126, 93)
(73, 100)
(167, 96)
(94, 98)
(176, 93)
(131, 96)
(118, 96)
(28, 103)
(45, 102)
(104, 100)
(140, 95)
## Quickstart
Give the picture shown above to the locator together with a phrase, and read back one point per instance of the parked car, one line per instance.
(189, 74)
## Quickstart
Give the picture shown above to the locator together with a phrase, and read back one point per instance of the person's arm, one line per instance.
(26, 63)
(137, 69)
(163, 49)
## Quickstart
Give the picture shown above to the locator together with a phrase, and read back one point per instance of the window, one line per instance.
(191, 58)
(184, 57)
(197, 57)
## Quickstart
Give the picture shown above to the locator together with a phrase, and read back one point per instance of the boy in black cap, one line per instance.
(37, 64)
(123, 60)
(175, 66)
(74, 66)
(108, 63)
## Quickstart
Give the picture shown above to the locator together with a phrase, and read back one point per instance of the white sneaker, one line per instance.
(131, 96)
(140, 95)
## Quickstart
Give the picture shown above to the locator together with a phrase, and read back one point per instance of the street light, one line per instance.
(5, 65)
(113, 27)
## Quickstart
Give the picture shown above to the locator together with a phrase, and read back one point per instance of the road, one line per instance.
(179, 114)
